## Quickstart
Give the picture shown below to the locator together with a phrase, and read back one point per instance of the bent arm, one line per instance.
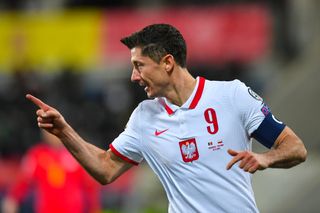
(287, 151)
(103, 165)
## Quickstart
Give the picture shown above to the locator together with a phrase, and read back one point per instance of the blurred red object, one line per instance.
(9, 170)
(215, 34)
(58, 181)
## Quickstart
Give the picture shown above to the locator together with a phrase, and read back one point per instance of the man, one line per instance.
(50, 170)
(192, 133)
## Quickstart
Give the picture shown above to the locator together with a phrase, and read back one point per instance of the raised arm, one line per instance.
(103, 165)
(287, 151)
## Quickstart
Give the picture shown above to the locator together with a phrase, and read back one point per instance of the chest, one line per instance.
(188, 136)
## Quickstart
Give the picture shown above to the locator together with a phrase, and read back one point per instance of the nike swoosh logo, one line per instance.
(157, 133)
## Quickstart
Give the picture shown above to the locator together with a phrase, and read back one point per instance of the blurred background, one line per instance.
(67, 52)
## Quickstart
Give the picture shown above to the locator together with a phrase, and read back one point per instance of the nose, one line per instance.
(135, 76)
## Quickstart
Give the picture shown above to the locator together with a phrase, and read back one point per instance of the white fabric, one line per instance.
(204, 184)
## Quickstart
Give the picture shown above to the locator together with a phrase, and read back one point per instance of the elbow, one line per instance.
(105, 179)
(101, 178)
(104, 183)
(303, 154)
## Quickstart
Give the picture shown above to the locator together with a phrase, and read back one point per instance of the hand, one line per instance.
(49, 118)
(249, 161)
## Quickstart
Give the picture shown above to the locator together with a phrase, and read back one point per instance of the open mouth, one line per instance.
(143, 84)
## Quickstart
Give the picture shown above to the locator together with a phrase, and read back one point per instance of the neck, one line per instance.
(182, 85)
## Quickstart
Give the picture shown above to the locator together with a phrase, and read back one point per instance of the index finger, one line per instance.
(38, 102)
(233, 161)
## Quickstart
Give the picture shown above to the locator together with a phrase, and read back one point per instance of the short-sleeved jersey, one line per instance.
(187, 146)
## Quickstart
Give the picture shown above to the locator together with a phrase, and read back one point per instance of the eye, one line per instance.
(137, 65)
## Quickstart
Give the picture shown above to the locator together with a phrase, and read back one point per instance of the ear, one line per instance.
(168, 62)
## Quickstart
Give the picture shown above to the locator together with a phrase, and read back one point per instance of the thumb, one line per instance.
(232, 152)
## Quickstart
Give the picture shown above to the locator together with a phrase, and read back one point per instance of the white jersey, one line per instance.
(187, 146)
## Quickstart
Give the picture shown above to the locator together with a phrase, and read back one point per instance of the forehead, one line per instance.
(136, 55)
(136, 51)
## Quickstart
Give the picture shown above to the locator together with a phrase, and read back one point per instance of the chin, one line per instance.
(150, 95)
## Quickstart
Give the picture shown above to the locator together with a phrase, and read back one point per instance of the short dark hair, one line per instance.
(157, 40)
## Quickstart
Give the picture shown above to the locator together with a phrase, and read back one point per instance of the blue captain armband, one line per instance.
(268, 131)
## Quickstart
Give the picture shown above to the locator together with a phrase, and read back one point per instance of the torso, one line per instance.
(187, 149)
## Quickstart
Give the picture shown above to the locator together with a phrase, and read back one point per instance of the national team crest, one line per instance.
(189, 150)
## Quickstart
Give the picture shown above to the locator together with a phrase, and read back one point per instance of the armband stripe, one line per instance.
(268, 131)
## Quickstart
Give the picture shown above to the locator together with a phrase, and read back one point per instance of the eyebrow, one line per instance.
(135, 62)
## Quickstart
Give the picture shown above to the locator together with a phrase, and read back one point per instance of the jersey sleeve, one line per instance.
(127, 144)
(256, 116)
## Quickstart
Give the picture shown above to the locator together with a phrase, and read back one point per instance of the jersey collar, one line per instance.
(192, 101)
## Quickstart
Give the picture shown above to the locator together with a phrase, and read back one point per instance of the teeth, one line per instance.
(142, 84)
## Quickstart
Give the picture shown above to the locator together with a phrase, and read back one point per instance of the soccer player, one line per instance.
(194, 133)
(59, 183)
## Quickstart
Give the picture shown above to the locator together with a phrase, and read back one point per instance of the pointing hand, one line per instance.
(249, 161)
(48, 117)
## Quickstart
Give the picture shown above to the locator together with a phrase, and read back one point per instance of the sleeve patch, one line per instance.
(254, 95)
(268, 131)
(265, 109)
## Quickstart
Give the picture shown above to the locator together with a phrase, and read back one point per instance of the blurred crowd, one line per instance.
(68, 93)
(88, 109)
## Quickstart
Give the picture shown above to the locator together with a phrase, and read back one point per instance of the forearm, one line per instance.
(93, 159)
(287, 152)
(103, 165)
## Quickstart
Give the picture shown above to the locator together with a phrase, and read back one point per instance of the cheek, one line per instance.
(153, 75)
(163, 78)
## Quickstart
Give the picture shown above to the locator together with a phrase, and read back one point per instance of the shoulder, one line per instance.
(144, 111)
(150, 106)
(224, 84)
(223, 88)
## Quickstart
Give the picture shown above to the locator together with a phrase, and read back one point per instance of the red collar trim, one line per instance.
(195, 100)
(198, 94)
(166, 107)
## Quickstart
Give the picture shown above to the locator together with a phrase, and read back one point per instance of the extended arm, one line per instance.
(287, 151)
(103, 165)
